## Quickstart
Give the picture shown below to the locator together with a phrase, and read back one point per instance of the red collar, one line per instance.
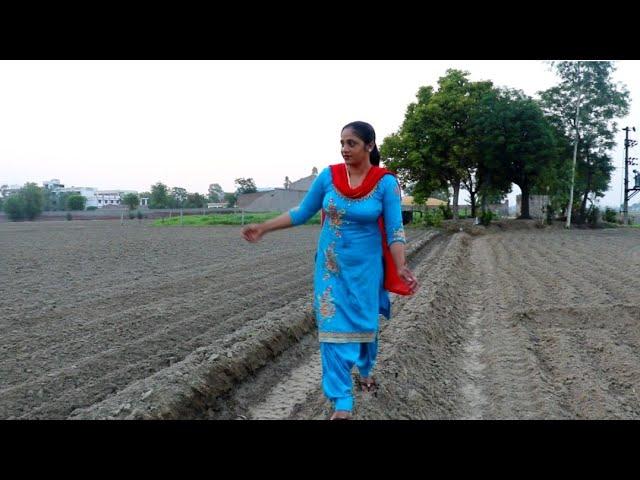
(341, 181)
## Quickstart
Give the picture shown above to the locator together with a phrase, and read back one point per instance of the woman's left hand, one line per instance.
(409, 278)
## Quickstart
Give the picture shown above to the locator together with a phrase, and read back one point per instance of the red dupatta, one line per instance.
(392, 281)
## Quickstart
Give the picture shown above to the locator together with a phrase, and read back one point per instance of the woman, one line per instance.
(362, 225)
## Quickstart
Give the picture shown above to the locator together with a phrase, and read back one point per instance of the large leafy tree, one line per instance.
(216, 194)
(27, 203)
(519, 144)
(436, 146)
(584, 106)
(33, 200)
(195, 200)
(178, 197)
(14, 208)
(230, 198)
(159, 196)
(245, 185)
(131, 200)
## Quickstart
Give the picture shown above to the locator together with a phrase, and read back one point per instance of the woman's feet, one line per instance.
(368, 384)
(341, 415)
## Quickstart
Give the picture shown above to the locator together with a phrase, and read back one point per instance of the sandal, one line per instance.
(348, 417)
(371, 386)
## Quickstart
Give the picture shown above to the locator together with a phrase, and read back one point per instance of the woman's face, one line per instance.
(353, 149)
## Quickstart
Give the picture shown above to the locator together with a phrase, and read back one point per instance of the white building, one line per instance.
(89, 193)
(108, 198)
(53, 184)
(8, 190)
(95, 198)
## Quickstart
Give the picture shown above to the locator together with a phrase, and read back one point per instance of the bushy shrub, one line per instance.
(447, 213)
(433, 217)
(14, 208)
(610, 215)
(486, 217)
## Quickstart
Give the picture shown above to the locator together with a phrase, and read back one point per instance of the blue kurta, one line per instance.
(348, 277)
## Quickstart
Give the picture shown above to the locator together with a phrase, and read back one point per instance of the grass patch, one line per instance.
(222, 219)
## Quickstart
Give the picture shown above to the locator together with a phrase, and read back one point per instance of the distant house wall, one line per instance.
(278, 200)
(246, 199)
(302, 184)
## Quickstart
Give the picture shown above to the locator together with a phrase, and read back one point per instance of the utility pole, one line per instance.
(627, 161)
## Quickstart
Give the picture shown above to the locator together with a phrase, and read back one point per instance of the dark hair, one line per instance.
(367, 134)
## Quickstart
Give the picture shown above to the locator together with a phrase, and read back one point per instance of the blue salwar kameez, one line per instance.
(348, 279)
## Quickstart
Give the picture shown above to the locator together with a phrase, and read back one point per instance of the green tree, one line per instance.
(195, 200)
(49, 198)
(583, 106)
(131, 200)
(178, 197)
(33, 200)
(216, 194)
(76, 202)
(159, 197)
(441, 195)
(245, 185)
(407, 152)
(518, 146)
(60, 201)
(14, 207)
(436, 146)
(27, 203)
(231, 199)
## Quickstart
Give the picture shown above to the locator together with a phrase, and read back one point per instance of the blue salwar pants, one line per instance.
(338, 360)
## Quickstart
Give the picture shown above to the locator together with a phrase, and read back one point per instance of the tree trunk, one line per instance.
(472, 196)
(524, 213)
(456, 192)
(583, 204)
(575, 153)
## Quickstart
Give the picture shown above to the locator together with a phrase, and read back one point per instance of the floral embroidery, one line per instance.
(335, 217)
(398, 235)
(327, 308)
(330, 261)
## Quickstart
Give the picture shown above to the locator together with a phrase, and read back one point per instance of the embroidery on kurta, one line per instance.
(335, 217)
(398, 235)
(327, 308)
(330, 261)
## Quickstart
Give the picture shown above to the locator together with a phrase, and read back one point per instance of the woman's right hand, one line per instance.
(252, 232)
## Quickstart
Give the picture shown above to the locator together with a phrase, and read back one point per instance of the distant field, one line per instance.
(223, 219)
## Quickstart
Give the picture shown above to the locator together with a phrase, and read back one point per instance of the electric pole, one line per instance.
(627, 161)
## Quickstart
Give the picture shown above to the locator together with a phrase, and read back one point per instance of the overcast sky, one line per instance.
(130, 124)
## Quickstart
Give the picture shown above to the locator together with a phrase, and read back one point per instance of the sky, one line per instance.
(129, 124)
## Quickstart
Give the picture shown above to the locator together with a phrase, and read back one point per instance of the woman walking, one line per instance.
(360, 258)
